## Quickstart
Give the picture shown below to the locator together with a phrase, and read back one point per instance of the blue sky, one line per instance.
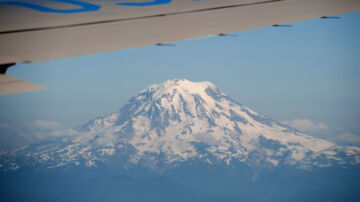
(307, 72)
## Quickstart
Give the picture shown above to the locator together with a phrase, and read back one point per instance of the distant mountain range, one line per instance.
(179, 121)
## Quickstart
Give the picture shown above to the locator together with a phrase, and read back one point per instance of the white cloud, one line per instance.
(34, 132)
(24, 136)
(56, 134)
(41, 124)
(206, 138)
(4, 125)
(107, 138)
(306, 125)
(348, 138)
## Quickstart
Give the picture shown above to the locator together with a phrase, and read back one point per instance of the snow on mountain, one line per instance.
(179, 120)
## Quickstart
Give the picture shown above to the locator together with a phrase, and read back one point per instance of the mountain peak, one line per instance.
(180, 120)
(182, 86)
(183, 83)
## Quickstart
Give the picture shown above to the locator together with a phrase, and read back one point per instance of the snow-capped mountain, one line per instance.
(178, 120)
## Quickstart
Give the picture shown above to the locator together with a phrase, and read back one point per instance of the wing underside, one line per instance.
(30, 35)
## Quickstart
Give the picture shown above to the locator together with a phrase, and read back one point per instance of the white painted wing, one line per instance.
(27, 34)
(9, 85)
(37, 30)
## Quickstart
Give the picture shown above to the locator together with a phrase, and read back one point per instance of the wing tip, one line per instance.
(13, 85)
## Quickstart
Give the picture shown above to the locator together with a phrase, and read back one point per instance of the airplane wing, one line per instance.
(38, 30)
